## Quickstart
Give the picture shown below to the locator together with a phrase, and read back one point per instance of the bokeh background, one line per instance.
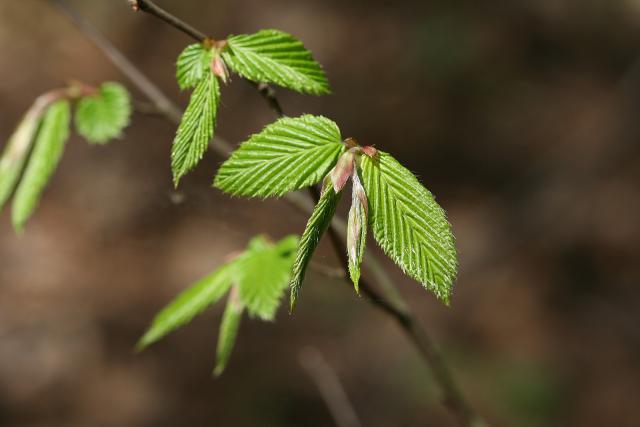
(523, 117)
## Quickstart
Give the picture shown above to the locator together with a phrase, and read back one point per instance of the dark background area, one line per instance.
(521, 116)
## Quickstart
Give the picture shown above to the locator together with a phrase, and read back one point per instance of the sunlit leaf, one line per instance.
(196, 128)
(411, 228)
(272, 56)
(192, 65)
(289, 154)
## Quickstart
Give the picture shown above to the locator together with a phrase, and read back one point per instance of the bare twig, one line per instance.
(329, 386)
(453, 398)
(151, 8)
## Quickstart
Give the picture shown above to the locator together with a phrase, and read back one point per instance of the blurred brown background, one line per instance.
(521, 116)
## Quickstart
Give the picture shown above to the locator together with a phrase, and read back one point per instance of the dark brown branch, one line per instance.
(453, 398)
(153, 9)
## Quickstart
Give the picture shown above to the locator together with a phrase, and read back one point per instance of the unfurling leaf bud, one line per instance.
(369, 151)
(357, 228)
(343, 169)
(219, 68)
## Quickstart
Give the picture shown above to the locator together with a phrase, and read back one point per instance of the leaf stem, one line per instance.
(398, 310)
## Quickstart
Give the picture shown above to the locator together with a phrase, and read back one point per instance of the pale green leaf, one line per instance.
(102, 116)
(288, 245)
(316, 226)
(287, 155)
(263, 275)
(49, 145)
(272, 56)
(192, 65)
(196, 128)
(228, 331)
(15, 153)
(409, 225)
(188, 304)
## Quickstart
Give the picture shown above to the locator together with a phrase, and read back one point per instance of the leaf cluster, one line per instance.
(268, 56)
(254, 281)
(35, 149)
(408, 224)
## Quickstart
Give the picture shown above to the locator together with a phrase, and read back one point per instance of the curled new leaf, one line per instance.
(272, 56)
(287, 155)
(342, 171)
(356, 228)
(102, 116)
(316, 226)
(196, 128)
(409, 225)
(50, 141)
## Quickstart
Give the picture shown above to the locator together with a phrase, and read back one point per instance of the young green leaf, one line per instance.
(272, 56)
(409, 225)
(316, 226)
(262, 276)
(102, 116)
(196, 128)
(228, 331)
(17, 149)
(356, 228)
(188, 304)
(287, 246)
(287, 155)
(49, 145)
(193, 65)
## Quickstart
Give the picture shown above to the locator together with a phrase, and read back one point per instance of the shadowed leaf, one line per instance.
(49, 145)
(102, 116)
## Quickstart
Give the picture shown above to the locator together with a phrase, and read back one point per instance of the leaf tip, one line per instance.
(218, 370)
(145, 341)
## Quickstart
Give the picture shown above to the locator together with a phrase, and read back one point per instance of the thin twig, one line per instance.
(453, 398)
(153, 9)
(330, 387)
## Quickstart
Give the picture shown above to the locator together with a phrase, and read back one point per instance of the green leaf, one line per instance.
(262, 276)
(193, 65)
(356, 229)
(272, 56)
(49, 145)
(316, 226)
(17, 149)
(102, 116)
(188, 304)
(409, 225)
(287, 155)
(196, 128)
(228, 331)
(288, 245)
